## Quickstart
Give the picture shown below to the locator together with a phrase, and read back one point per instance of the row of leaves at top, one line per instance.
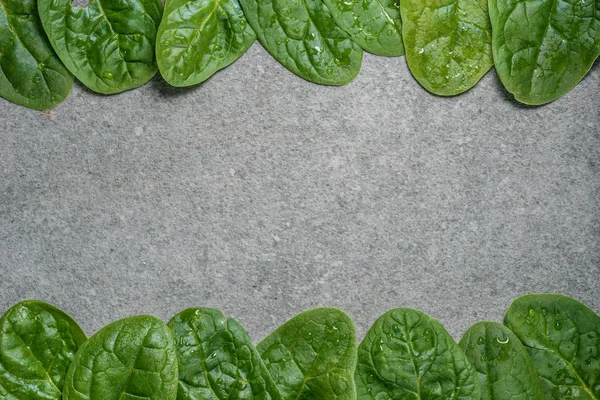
(548, 348)
(540, 48)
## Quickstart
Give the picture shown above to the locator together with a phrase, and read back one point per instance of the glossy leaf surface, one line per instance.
(31, 74)
(302, 35)
(37, 345)
(563, 338)
(133, 358)
(374, 24)
(109, 44)
(313, 356)
(409, 355)
(447, 43)
(543, 48)
(217, 359)
(197, 38)
(505, 369)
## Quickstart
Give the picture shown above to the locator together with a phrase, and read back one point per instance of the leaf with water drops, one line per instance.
(217, 359)
(31, 74)
(196, 38)
(543, 48)
(505, 369)
(374, 24)
(37, 344)
(409, 355)
(109, 44)
(313, 356)
(303, 36)
(133, 358)
(562, 337)
(447, 43)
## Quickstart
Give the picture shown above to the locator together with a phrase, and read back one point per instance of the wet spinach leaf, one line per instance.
(196, 38)
(217, 359)
(447, 42)
(133, 358)
(409, 355)
(543, 48)
(37, 344)
(313, 356)
(505, 369)
(563, 338)
(31, 74)
(302, 35)
(374, 24)
(109, 44)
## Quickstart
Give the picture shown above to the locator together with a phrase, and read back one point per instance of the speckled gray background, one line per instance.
(264, 195)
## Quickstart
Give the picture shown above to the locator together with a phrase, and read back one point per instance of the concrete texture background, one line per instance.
(264, 195)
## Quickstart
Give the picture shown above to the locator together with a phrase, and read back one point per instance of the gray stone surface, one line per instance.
(264, 195)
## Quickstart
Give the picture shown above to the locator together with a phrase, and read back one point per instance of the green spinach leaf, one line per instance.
(37, 345)
(196, 38)
(505, 369)
(447, 42)
(109, 44)
(543, 48)
(313, 356)
(409, 355)
(563, 338)
(302, 35)
(217, 359)
(374, 24)
(31, 74)
(133, 358)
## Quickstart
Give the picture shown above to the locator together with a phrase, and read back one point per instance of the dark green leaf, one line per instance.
(374, 24)
(302, 35)
(313, 356)
(196, 38)
(409, 355)
(563, 338)
(134, 358)
(108, 45)
(447, 43)
(505, 369)
(37, 344)
(543, 48)
(217, 359)
(31, 74)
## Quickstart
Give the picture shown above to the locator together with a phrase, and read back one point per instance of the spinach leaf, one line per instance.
(409, 355)
(374, 24)
(133, 358)
(37, 345)
(31, 74)
(543, 48)
(505, 369)
(563, 338)
(447, 42)
(217, 359)
(302, 35)
(313, 356)
(108, 45)
(196, 38)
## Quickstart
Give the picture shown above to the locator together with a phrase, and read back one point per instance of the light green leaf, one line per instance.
(447, 43)
(409, 355)
(313, 356)
(109, 44)
(563, 338)
(217, 359)
(31, 74)
(37, 345)
(131, 359)
(505, 369)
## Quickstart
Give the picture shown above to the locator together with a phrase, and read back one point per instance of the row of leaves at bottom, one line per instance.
(548, 348)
